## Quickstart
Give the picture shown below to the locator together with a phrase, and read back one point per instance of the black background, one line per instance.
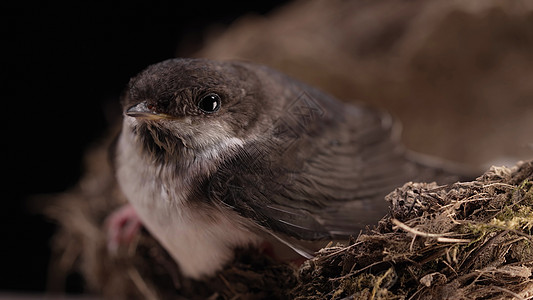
(63, 68)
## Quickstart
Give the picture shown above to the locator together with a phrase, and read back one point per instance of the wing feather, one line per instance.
(330, 183)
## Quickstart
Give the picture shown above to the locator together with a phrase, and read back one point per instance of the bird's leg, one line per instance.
(123, 226)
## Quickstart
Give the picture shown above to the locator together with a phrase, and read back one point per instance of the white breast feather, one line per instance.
(200, 241)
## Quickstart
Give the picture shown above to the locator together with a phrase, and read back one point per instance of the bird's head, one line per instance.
(196, 106)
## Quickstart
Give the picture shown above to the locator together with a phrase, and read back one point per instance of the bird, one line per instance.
(219, 155)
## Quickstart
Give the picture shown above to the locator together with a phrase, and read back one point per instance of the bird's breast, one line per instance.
(199, 235)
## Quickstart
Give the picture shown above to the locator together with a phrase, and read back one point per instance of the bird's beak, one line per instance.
(141, 110)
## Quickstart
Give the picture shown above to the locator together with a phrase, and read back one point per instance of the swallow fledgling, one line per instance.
(215, 155)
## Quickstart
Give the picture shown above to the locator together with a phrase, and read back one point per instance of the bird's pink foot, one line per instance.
(123, 225)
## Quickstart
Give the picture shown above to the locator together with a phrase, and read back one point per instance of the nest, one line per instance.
(469, 240)
(465, 240)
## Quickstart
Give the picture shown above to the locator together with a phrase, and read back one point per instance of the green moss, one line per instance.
(479, 231)
(520, 218)
(367, 286)
(527, 186)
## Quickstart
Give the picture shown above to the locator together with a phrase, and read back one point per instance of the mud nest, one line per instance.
(469, 240)
(461, 241)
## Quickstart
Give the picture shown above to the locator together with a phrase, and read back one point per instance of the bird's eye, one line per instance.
(209, 103)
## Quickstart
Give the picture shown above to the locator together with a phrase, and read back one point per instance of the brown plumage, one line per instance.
(224, 154)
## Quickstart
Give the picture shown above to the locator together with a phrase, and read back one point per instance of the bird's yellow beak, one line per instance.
(141, 110)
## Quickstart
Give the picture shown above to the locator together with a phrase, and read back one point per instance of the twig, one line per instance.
(414, 231)
(511, 187)
(452, 240)
(379, 280)
(226, 283)
(141, 284)
(450, 267)
(342, 250)
(358, 271)
(508, 292)
(469, 258)
(440, 236)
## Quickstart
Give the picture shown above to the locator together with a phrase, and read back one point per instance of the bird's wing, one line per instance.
(319, 178)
